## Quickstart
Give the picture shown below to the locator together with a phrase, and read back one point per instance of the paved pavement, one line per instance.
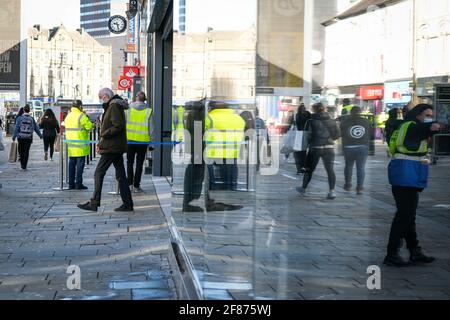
(283, 246)
(42, 233)
(279, 246)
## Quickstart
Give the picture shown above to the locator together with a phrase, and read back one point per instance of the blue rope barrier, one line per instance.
(129, 142)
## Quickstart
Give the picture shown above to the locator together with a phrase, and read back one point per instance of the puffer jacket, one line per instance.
(324, 130)
(113, 134)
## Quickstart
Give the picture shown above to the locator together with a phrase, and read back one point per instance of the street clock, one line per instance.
(117, 24)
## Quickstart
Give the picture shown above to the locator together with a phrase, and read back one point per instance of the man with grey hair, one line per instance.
(111, 147)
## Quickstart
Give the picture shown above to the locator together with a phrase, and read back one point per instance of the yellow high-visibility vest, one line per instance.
(397, 143)
(77, 127)
(224, 134)
(138, 124)
(179, 127)
(347, 108)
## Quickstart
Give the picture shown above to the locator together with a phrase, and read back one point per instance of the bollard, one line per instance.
(61, 166)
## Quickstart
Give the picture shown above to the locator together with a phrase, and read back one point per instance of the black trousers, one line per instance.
(106, 160)
(49, 142)
(193, 182)
(138, 152)
(312, 160)
(404, 224)
(300, 159)
(23, 148)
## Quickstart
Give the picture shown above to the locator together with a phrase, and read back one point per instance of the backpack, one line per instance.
(26, 128)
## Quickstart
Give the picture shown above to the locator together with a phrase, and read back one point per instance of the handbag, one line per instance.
(302, 139)
(288, 142)
(58, 143)
(13, 152)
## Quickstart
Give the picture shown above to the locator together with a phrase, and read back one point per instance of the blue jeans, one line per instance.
(76, 165)
(359, 155)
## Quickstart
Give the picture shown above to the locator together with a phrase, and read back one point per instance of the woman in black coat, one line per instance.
(301, 118)
(50, 125)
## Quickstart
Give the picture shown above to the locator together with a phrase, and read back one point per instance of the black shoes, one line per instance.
(395, 260)
(88, 206)
(82, 187)
(417, 256)
(189, 208)
(220, 207)
(124, 208)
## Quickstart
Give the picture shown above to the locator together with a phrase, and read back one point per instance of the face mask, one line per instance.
(428, 120)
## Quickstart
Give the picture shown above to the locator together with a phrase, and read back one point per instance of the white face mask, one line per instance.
(428, 120)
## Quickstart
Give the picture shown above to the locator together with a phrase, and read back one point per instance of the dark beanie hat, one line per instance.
(77, 104)
(355, 111)
(417, 110)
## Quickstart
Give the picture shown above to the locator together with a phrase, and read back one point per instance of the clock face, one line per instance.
(117, 24)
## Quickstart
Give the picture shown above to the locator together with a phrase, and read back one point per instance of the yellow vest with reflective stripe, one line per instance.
(180, 124)
(400, 141)
(224, 135)
(138, 124)
(75, 131)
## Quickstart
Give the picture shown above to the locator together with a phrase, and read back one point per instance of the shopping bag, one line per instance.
(58, 143)
(13, 152)
(288, 142)
(301, 140)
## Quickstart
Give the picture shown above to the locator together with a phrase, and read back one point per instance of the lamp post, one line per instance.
(204, 59)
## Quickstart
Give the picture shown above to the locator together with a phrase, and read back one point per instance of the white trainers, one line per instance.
(331, 195)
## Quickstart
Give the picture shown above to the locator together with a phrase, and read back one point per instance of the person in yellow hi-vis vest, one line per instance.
(139, 126)
(225, 133)
(178, 123)
(77, 127)
(224, 137)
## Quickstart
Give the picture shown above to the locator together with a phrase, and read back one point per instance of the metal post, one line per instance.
(117, 191)
(61, 165)
(91, 136)
(66, 150)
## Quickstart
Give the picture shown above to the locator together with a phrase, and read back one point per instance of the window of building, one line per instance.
(102, 58)
(88, 90)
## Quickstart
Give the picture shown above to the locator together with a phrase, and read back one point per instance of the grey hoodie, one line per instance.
(139, 106)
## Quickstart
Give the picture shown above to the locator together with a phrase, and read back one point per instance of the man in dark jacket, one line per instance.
(324, 131)
(111, 147)
(357, 133)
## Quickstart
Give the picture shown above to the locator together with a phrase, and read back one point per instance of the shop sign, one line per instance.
(371, 93)
(130, 72)
(397, 92)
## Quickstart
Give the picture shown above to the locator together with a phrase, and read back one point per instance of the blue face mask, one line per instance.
(428, 120)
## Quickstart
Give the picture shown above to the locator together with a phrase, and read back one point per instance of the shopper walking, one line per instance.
(50, 127)
(324, 131)
(23, 132)
(111, 147)
(301, 118)
(357, 133)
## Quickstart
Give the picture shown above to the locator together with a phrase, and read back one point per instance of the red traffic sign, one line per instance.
(124, 83)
